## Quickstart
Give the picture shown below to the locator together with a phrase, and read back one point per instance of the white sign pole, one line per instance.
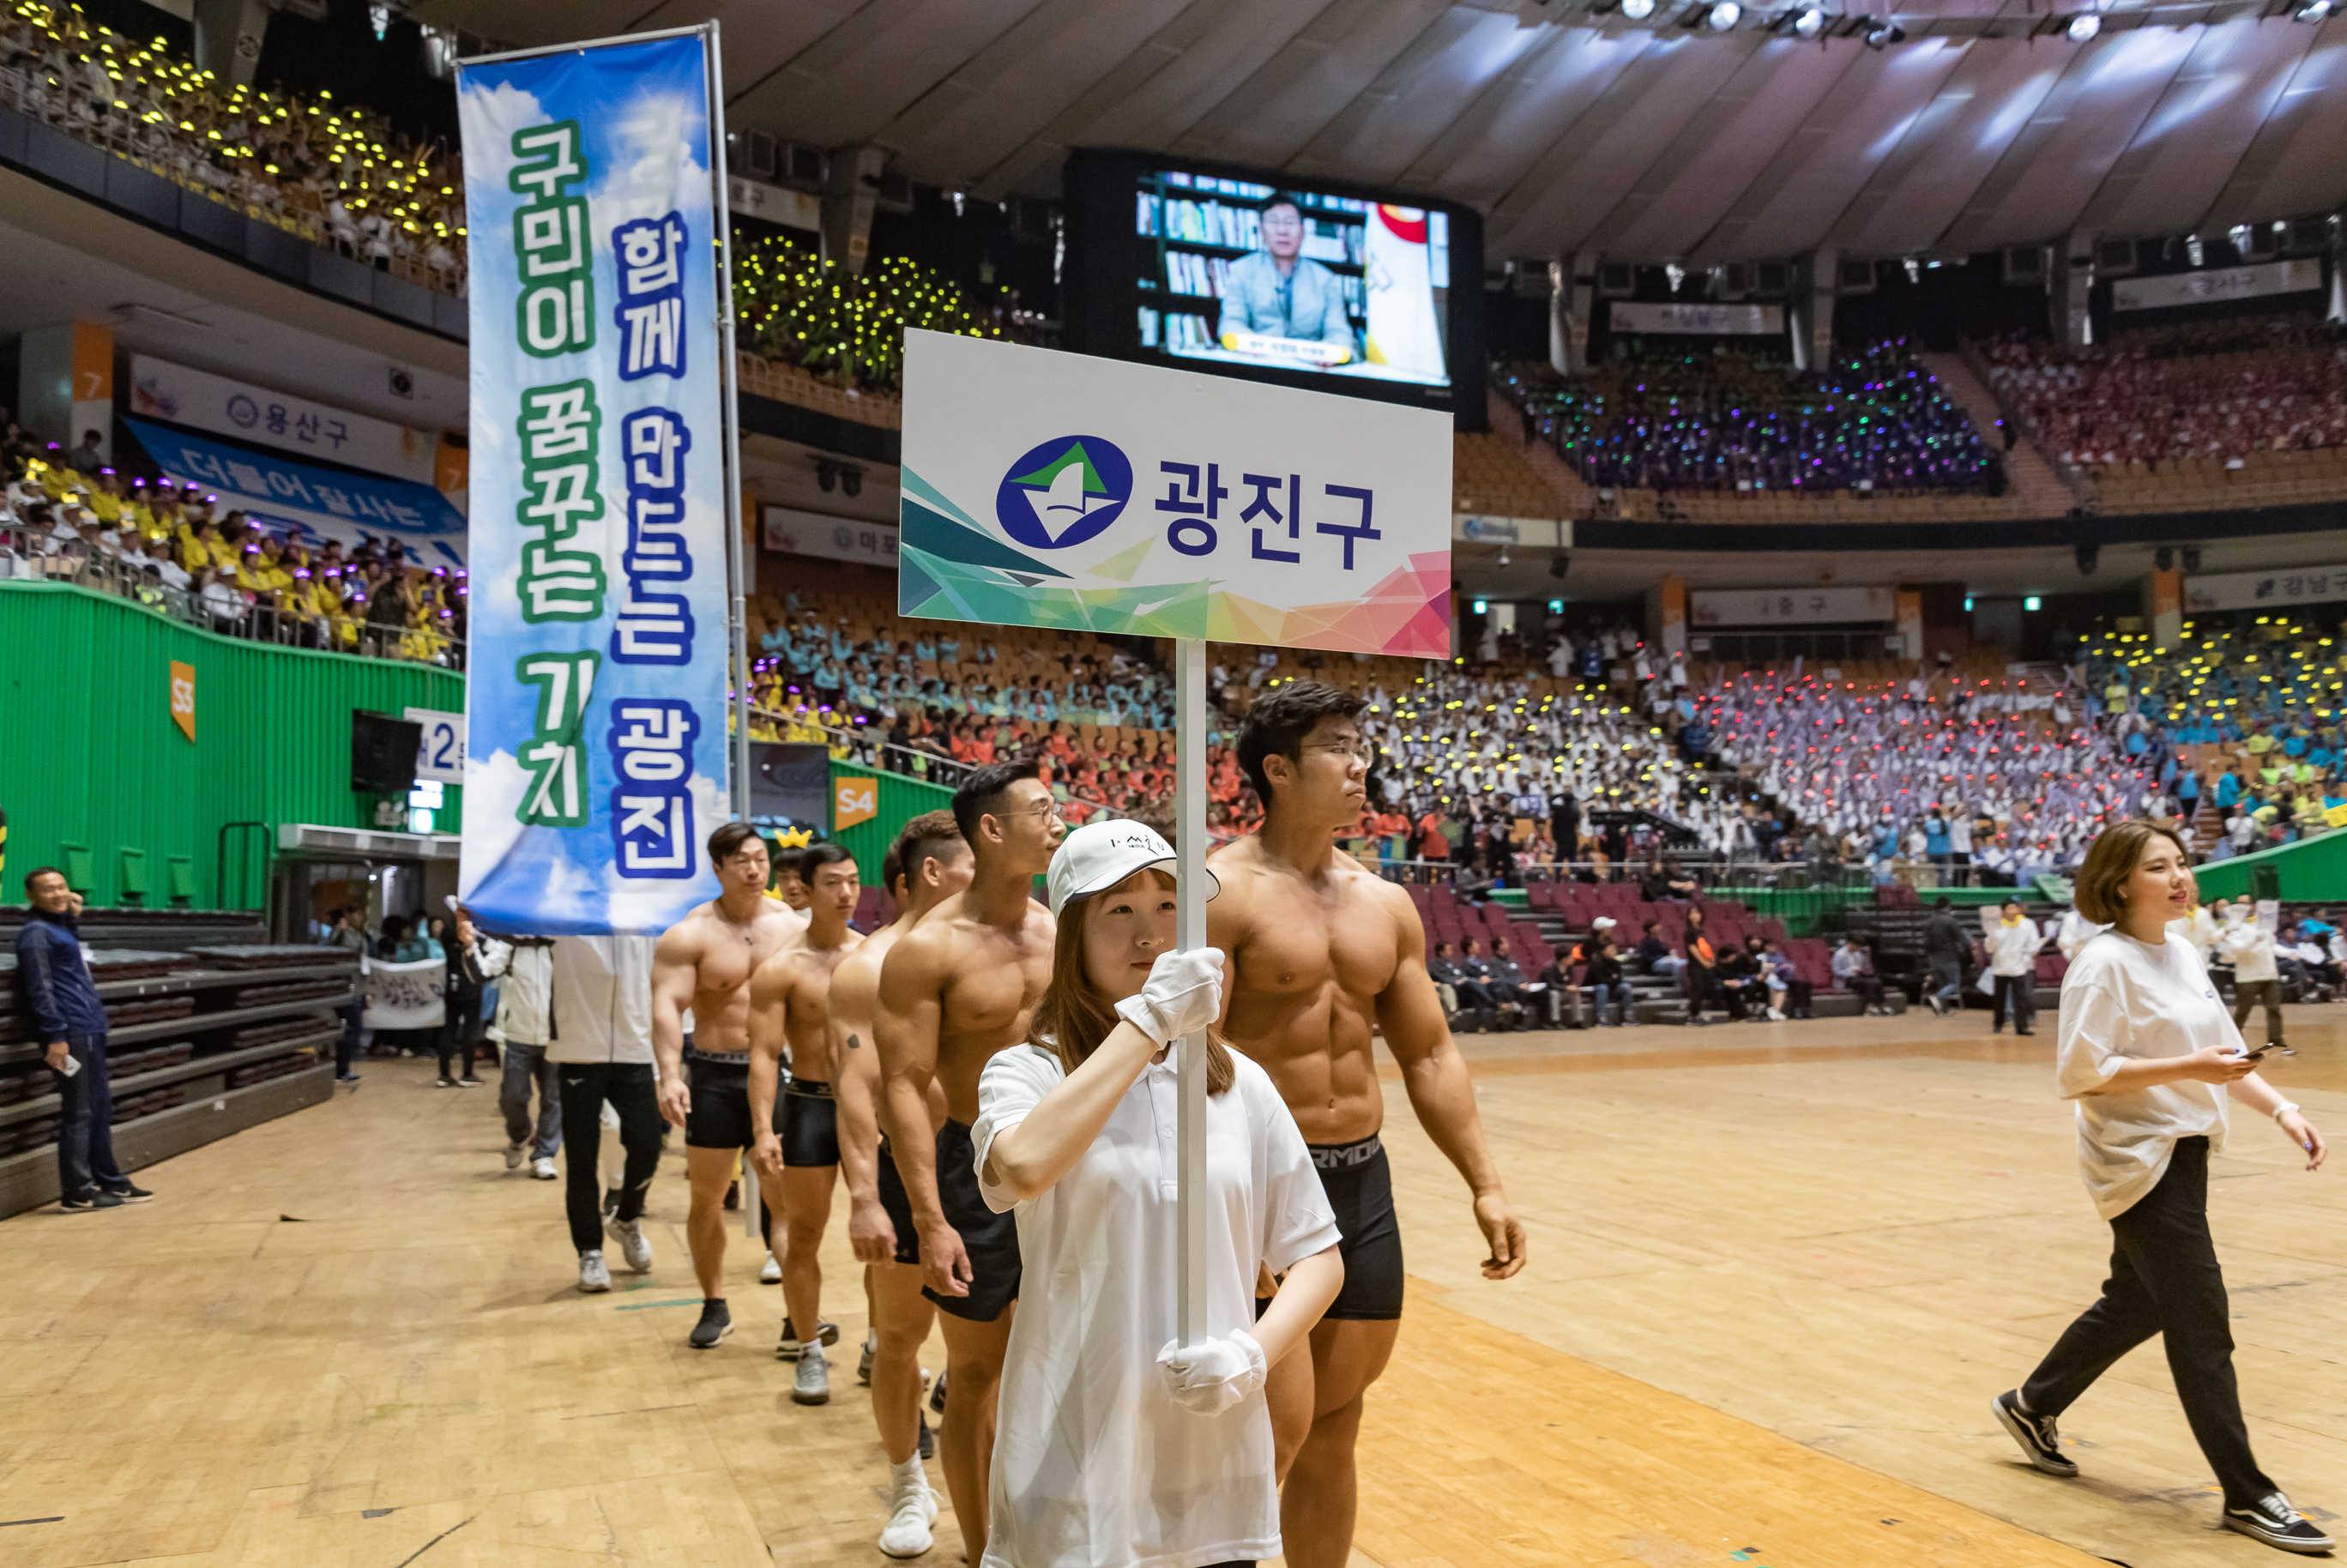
(1190, 846)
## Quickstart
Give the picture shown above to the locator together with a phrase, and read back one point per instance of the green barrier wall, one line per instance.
(899, 799)
(89, 755)
(2312, 869)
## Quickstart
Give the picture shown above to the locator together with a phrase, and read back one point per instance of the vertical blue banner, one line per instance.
(597, 694)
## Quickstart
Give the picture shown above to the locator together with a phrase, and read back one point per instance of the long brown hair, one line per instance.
(1073, 1018)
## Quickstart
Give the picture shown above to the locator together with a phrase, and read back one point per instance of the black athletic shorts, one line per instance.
(899, 1207)
(809, 1124)
(1359, 1184)
(992, 1240)
(720, 1117)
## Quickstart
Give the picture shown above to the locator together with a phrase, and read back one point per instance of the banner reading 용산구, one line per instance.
(596, 763)
(1043, 488)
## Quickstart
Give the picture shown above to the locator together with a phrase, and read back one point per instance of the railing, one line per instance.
(371, 240)
(226, 612)
(865, 745)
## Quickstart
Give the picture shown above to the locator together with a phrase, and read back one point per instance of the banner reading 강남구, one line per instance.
(1043, 488)
(597, 696)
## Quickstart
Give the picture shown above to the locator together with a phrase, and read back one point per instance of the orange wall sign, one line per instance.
(854, 801)
(183, 698)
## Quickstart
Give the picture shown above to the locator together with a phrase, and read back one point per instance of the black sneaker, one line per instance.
(937, 1397)
(863, 1362)
(2277, 1523)
(130, 1193)
(97, 1198)
(828, 1332)
(928, 1441)
(446, 1083)
(2039, 1442)
(716, 1322)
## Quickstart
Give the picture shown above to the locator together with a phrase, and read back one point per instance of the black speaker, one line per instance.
(383, 753)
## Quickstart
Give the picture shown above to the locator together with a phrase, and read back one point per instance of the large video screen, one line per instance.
(1249, 272)
(1293, 279)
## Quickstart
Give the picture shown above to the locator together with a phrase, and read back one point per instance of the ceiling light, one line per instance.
(2083, 28)
(1725, 15)
(1637, 10)
(1809, 24)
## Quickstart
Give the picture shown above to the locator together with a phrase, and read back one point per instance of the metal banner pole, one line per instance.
(1190, 848)
(729, 397)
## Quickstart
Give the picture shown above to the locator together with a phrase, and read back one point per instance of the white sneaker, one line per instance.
(593, 1276)
(1775, 1015)
(812, 1383)
(910, 1513)
(633, 1247)
(542, 1168)
(771, 1271)
(514, 1153)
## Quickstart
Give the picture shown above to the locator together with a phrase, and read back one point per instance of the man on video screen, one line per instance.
(1276, 293)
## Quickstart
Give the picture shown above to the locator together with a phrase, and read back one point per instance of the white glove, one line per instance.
(1183, 996)
(1209, 1377)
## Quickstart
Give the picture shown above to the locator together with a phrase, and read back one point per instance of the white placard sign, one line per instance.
(1748, 321)
(2261, 590)
(1043, 488)
(2216, 286)
(440, 755)
(1790, 606)
(202, 401)
(793, 532)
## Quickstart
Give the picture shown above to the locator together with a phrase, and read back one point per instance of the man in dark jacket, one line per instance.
(1468, 990)
(69, 1023)
(1945, 946)
(1602, 976)
(1504, 997)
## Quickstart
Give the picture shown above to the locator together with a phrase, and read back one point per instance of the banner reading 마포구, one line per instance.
(1043, 488)
(596, 763)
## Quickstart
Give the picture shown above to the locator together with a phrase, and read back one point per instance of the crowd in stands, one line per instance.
(1890, 774)
(1725, 419)
(160, 546)
(336, 175)
(2224, 389)
(2238, 727)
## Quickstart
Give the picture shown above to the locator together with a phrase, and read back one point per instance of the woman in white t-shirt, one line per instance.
(1114, 1446)
(2150, 1057)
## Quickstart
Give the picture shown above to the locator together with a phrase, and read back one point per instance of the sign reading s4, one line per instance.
(854, 801)
(441, 753)
(183, 698)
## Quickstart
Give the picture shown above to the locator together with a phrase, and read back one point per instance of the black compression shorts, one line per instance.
(719, 1116)
(1359, 1184)
(809, 1124)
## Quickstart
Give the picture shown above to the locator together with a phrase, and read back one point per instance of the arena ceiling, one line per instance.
(1571, 127)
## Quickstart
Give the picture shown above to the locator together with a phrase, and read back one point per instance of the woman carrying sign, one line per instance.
(1115, 1445)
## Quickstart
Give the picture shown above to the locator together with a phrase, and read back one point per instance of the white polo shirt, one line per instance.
(1095, 1466)
(2124, 1001)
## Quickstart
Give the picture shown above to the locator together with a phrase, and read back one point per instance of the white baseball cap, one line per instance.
(1100, 854)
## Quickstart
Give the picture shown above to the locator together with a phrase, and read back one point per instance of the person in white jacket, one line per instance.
(2256, 977)
(524, 969)
(2072, 934)
(599, 1036)
(2012, 939)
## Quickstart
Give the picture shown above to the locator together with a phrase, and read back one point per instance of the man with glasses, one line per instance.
(1279, 293)
(1321, 953)
(955, 989)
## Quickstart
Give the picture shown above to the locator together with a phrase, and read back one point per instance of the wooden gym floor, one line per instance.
(1778, 1271)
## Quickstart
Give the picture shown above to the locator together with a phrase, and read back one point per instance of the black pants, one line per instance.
(2023, 990)
(1867, 988)
(2165, 1281)
(346, 1045)
(86, 1122)
(462, 1030)
(1702, 988)
(632, 1091)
